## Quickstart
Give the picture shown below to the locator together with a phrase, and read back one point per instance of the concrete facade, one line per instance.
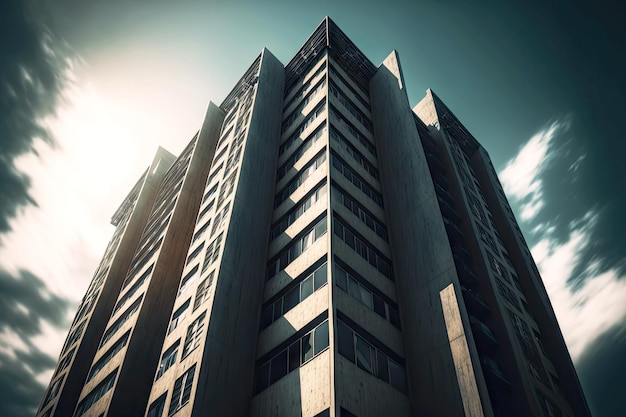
(321, 249)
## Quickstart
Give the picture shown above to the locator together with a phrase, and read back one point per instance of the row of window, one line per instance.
(306, 172)
(133, 290)
(301, 291)
(365, 250)
(336, 75)
(142, 262)
(358, 210)
(305, 88)
(353, 130)
(106, 358)
(297, 113)
(212, 252)
(192, 341)
(64, 363)
(295, 213)
(353, 285)
(354, 111)
(356, 180)
(306, 145)
(353, 152)
(186, 281)
(362, 352)
(299, 245)
(295, 136)
(52, 391)
(74, 336)
(180, 395)
(293, 357)
(95, 394)
(110, 332)
(198, 234)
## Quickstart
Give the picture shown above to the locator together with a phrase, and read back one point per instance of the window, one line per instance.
(354, 153)
(295, 213)
(168, 359)
(297, 112)
(133, 290)
(365, 250)
(182, 390)
(64, 363)
(356, 180)
(220, 219)
(202, 293)
(117, 324)
(188, 279)
(294, 296)
(364, 120)
(106, 358)
(296, 248)
(53, 391)
(362, 352)
(358, 210)
(354, 132)
(354, 285)
(193, 255)
(178, 316)
(201, 230)
(287, 359)
(306, 145)
(212, 252)
(295, 137)
(157, 407)
(194, 333)
(305, 173)
(97, 393)
(74, 336)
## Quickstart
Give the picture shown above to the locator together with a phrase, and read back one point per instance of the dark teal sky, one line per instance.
(507, 72)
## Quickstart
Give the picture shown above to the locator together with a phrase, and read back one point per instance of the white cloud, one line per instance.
(593, 307)
(520, 177)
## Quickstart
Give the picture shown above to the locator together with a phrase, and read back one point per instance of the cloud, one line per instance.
(26, 307)
(587, 291)
(31, 81)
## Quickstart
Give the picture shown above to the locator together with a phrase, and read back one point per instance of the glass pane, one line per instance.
(320, 228)
(321, 337)
(279, 367)
(294, 355)
(262, 377)
(319, 277)
(307, 287)
(349, 238)
(396, 376)
(341, 278)
(307, 348)
(291, 299)
(364, 355)
(345, 341)
(366, 297)
(379, 306)
(394, 317)
(353, 286)
(383, 369)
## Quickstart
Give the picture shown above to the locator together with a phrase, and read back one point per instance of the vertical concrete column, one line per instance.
(142, 355)
(227, 371)
(421, 254)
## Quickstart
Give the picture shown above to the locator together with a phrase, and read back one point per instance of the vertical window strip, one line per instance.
(363, 248)
(295, 213)
(306, 172)
(297, 247)
(311, 283)
(97, 393)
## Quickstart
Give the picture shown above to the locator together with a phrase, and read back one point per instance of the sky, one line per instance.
(89, 89)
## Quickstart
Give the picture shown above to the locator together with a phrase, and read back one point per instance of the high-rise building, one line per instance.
(318, 249)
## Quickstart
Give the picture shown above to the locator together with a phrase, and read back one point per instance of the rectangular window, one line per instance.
(363, 353)
(157, 407)
(356, 179)
(168, 359)
(97, 393)
(212, 253)
(194, 334)
(306, 145)
(117, 324)
(305, 173)
(353, 152)
(178, 316)
(295, 136)
(359, 210)
(188, 279)
(287, 359)
(287, 255)
(133, 290)
(53, 391)
(182, 391)
(106, 358)
(202, 293)
(193, 255)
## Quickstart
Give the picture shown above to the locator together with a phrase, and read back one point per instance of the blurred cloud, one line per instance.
(31, 80)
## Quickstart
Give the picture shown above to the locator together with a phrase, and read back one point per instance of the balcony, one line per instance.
(482, 333)
(474, 302)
